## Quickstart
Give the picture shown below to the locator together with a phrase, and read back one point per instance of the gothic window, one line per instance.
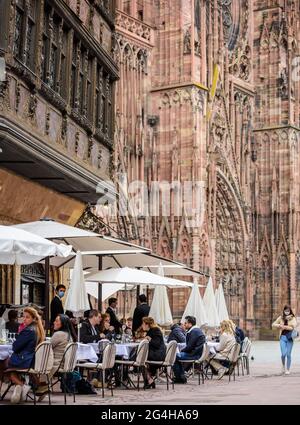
(25, 31)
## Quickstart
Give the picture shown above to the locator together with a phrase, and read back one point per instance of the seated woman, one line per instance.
(224, 348)
(157, 348)
(63, 334)
(106, 331)
(139, 334)
(24, 352)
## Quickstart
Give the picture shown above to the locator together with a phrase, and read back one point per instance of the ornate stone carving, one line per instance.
(283, 84)
(18, 96)
(47, 127)
(81, 120)
(187, 41)
(138, 28)
(4, 95)
(64, 128)
(77, 135)
(191, 95)
(54, 98)
(32, 106)
(93, 223)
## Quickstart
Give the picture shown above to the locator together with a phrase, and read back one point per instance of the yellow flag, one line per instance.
(213, 90)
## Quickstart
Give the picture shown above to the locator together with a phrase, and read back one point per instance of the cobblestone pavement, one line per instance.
(264, 386)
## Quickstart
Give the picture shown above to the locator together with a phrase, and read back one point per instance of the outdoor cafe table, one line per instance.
(123, 350)
(84, 352)
(5, 351)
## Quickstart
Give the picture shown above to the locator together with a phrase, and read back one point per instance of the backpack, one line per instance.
(70, 382)
(84, 387)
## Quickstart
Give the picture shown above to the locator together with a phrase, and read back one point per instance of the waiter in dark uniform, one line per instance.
(56, 306)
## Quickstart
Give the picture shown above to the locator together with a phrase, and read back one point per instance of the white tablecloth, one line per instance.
(5, 351)
(212, 346)
(86, 352)
(123, 350)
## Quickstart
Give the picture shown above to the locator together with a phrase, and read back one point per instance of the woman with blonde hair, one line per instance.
(24, 351)
(224, 347)
(157, 348)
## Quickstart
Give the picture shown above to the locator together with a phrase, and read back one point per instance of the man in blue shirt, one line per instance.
(195, 340)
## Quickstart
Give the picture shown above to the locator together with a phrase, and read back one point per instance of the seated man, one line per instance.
(89, 331)
(177, 333)
(195, 340)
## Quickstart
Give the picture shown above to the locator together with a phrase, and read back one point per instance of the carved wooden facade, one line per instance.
(56, 112)
(243, 143)
(59, 84)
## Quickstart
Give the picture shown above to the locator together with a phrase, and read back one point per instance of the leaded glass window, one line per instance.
(25, 31)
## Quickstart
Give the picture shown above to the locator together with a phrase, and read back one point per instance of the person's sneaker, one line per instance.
(283, 370)
(287, 372)
(96, 383)
(221, 373)
(25, 390)
(16, 395)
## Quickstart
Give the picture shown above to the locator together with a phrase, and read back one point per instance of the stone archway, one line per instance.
(230, 249)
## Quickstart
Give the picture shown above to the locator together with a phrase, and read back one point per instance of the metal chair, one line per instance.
(245, 355)
(167, 363)
(231, 358)
(43, 364)
(200, 363)
(139, 363)
(67, 365)
(108, 362)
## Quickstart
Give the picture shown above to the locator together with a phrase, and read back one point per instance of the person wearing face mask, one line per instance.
(286, 323)
(56, 306)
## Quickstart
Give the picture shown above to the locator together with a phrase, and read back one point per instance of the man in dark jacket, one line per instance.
(89, 331)
(111, 310)
(177, 333)
(195, 340)
(142, 310)
(56, 306)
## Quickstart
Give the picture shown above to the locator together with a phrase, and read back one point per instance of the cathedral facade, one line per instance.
(209, 92)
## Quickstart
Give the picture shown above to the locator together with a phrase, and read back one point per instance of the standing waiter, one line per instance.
(56, 306)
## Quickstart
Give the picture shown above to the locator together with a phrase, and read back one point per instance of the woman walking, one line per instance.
(286, 323)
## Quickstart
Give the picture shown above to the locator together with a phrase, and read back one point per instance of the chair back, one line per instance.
(205, 353)
(142, 353)
(102, 344)
(69, 359)
(248, 348)
(235, 352)
(171, 353)
(109, 356)
(44, 358)
(245, 344)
